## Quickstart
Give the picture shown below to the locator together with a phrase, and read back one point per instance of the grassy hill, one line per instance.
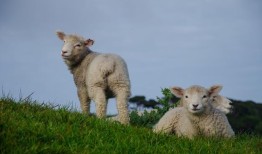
(29, 127)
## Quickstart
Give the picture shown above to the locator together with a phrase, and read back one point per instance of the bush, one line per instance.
(149, 119)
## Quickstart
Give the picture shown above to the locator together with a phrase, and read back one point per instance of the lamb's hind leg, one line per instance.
(122, 106)
(100, 102)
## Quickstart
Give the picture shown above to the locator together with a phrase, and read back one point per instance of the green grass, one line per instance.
(28, 127)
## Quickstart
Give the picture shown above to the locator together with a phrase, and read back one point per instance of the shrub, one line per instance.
(149, 119)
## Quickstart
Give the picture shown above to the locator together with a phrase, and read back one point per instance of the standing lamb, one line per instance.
(97, 76)
(197, 116)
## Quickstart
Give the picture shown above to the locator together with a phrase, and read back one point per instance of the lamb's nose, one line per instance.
(63, 53)
(195, 105)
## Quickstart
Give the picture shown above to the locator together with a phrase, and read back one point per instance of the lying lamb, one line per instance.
(97, 76)
(222, 103)
(196, 116)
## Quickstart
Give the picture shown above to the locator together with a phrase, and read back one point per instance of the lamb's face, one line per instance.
(73, 45)
(221, 103)
(196, 98)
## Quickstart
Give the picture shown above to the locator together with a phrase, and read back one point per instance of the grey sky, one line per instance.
(164, 43)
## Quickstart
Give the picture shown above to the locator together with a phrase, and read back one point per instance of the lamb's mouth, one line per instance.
(195, 109)
(65, 57)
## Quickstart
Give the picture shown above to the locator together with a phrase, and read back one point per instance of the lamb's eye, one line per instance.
(186, 96)
(204, 96)
(77, 45)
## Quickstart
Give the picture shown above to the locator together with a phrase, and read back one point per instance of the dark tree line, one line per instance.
(246, 117)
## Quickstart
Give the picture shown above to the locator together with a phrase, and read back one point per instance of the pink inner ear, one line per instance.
(177, 91)
(89, 42)
(60, 35)
(214, 90)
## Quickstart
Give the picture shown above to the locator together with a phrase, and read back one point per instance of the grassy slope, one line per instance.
(26, 127)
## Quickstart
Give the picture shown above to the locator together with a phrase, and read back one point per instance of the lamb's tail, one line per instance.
(107, 67)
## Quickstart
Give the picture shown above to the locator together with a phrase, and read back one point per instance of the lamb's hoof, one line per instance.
(117, 119)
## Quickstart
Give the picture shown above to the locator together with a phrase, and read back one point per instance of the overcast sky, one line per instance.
(165, 43)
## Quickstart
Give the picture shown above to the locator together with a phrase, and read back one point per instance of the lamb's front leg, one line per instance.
(165, 124)
(84, 99)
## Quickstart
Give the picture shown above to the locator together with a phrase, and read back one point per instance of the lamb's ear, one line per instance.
(177, 91)
(60, 35)
(89, 42)
(214, 90)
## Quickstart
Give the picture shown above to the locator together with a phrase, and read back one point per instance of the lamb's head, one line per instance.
(196, 99)
(73, 45)
(221, 103)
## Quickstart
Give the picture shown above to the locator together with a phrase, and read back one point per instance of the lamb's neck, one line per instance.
(78, 60)
(75, 62)
(84, 62)
(79, 71)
